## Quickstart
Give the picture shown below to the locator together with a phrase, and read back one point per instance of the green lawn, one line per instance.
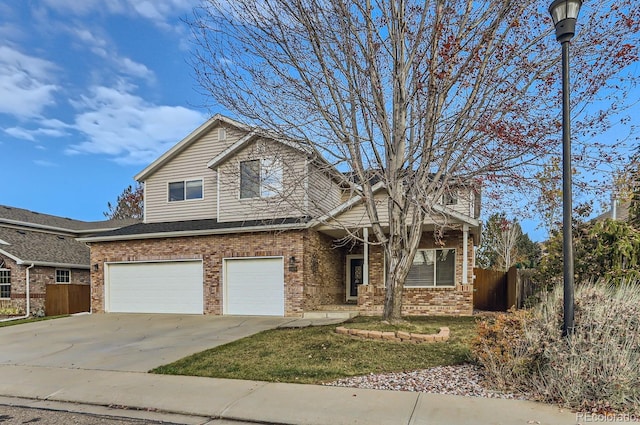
(317, 354)
(29, 320)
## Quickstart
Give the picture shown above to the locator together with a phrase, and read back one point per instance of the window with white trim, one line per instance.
(63, 276)
(260, 178)
(185, 190)
(432, 267)
(451, 198)
(5, 283)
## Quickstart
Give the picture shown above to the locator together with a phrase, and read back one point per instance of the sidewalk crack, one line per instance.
(234, 402)
(413, 411)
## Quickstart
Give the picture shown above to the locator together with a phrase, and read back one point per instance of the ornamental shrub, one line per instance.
(607, 249)
(500, 347)
(596, 369)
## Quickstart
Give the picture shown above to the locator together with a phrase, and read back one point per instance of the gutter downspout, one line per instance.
(28, 295)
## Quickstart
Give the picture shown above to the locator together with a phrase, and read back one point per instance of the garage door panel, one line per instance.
(254, 286)
(160, 287)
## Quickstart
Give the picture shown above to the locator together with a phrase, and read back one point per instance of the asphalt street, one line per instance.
(11, 415)
(16, 415)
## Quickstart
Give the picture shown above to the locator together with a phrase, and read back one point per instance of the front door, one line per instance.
(355, 276)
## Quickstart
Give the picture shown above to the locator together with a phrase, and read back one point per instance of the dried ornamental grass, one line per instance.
(597, 369)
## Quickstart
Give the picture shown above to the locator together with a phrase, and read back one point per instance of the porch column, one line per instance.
(365, 263)
(465, 254)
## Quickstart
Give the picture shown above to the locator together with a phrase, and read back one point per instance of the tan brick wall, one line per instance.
(212, 250)
(318, 280)
(456, 300)
(324, 266)
(39, 277)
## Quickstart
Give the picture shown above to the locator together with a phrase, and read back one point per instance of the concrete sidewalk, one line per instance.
(205, 398)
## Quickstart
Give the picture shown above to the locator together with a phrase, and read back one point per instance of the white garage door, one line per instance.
(158, 287)
(254, 286)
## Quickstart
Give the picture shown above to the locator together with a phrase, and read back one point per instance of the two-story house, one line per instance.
(239, 222)
(38, 250)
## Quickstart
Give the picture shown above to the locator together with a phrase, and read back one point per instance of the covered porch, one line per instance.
(349, 277)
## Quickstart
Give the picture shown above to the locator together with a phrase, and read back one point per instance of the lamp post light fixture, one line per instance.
(565, 14)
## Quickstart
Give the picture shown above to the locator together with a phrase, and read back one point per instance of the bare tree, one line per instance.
(128, 205)
(417, 96)
(500, 240)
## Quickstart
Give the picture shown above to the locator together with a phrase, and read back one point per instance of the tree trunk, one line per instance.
(395, 276)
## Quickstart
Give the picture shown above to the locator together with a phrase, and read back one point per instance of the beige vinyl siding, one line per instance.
(356, 216)
(290, 204)
(323, 193)
(464, 203)
(190, 164)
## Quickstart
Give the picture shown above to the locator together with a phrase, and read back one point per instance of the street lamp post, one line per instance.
(565, 14)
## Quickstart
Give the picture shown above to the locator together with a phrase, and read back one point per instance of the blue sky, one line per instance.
(91, 91)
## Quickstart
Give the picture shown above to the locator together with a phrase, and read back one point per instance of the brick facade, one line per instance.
(457, 300)
(39, 278)
(324, 266)
(211, 250)
(318, 277)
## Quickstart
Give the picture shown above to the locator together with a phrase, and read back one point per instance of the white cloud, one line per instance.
(45, 163)
(85, 7)
(47, 128)
(26, 83)
(96, 44)
(28, 134)
(133, 68)
(157, 11)
(10, 31)
(102, 48)
(19, 133)
(118, 123)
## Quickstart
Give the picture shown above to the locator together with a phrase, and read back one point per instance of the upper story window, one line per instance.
(451, 198)
(5, 283)
(63, 276)
(260, 178)
(433, 267)
(185, 190)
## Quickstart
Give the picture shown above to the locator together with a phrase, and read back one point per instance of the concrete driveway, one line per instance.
(122, 342)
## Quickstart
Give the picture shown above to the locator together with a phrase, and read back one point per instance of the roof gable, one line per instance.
(247, 140)
(376, 189)
(186, 142)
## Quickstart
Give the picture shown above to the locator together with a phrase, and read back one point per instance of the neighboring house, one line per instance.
(218, 238)
(619, 211)
(40, 249)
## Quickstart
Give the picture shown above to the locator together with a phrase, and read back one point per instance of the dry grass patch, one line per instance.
(317, 354)
(29, 320)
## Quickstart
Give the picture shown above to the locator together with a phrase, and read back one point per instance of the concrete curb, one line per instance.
(264, 402)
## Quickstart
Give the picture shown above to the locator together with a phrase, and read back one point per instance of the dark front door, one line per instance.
(356, 267)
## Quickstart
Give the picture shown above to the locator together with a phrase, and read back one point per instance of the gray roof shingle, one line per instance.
(28, 218)
(197, 225)
(32, 237)
(41, 247)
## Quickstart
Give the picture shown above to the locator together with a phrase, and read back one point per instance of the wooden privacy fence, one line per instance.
(496, 290)
(67, 299)
(490, 290)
